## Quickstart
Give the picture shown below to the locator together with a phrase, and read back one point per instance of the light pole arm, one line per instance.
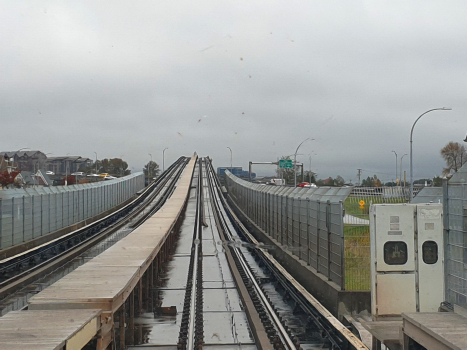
(295, 161)
(411, 156)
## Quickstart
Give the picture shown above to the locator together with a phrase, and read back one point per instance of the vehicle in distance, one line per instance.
(93, 175)
(78, 173)
(48, 172)
(104, 174)
(306, 184)
(109, 177)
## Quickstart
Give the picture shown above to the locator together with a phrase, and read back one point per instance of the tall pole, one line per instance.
(149, 168)
(396, 165)
(163, 159)
(230, 157)
(96, 162)
(309, 174)
(400, 170)
(295, 160)
(411, 156)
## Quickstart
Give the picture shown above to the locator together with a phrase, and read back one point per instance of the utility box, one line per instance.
(407, 261)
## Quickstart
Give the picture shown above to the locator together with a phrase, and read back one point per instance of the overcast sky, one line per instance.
(128, 78)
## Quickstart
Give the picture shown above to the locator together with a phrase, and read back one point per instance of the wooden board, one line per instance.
(47, 330)
(447, 328)
(108, 279)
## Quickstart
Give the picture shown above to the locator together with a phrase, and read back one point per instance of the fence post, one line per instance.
(1, 222)
(318, 230)
(328, 229)
(23, 218)
(42, 220)
(12, 221)
(308, 231)
(341, 207)
(49, 212)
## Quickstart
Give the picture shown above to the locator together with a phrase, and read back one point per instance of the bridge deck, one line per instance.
(106, 281)
(48, 329)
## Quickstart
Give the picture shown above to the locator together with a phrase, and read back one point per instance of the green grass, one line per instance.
(357, 257)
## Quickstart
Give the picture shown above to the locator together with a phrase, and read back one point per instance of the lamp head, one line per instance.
(465, 140)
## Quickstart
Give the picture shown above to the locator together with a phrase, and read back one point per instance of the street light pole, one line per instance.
(230, 158)
(396, 166)
(400, 170)
(411, 157)
(309, 174)
(149, 167)
(163, 159)
(295, 160)
(96, 161)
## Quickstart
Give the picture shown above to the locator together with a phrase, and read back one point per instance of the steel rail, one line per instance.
(188, 338)
(196, 245)
(339, 336)
(215, 200)
(14, 283)
(149, 193)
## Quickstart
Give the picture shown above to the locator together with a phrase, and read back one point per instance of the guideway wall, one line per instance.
(306, 230)
(31, 213)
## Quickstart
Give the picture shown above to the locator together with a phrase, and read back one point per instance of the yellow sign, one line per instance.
(362, 203)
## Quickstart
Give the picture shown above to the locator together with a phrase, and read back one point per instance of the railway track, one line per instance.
(271, 330)
(23, 269)
(320, 320)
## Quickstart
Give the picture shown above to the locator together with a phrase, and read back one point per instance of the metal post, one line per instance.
(230, 157)
(1, 222)
(96, 163)
(411, 157)
(396, 166)
(12, 221)
(400, 170)
(163, 159)
(249, 171)
(23, 218)
(295, 161)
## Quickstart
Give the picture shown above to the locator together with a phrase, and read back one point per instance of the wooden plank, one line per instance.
(448, 328)
(107, 280)
(46, 329)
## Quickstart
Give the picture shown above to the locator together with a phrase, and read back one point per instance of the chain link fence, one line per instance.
(357, 230)
(307, 222)
(327, 227)
(29, 213)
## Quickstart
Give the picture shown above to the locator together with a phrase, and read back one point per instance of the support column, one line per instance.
(131, 326)
(151, 287)
(140, 301)
(121, 323)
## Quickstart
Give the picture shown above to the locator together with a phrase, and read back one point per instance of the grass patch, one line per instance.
(357, 257)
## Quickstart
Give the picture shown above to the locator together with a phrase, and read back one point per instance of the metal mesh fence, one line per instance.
(29, 213)
(307, 222)
(455, 215)
(327, 227)
(357, 231)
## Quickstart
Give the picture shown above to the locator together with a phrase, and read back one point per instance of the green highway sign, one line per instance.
(285, 163)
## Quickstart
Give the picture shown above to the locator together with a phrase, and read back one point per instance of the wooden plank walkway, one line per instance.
(47, 330)
(106, 281)
(436, 330)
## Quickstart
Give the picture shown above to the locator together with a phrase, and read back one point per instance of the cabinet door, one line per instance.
(395, 293)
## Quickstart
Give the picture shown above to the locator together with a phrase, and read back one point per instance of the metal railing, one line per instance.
(26, 214)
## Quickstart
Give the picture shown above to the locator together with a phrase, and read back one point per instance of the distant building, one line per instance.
(24, 160)
(67, 164)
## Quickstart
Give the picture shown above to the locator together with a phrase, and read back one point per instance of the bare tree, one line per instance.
(455, 156)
